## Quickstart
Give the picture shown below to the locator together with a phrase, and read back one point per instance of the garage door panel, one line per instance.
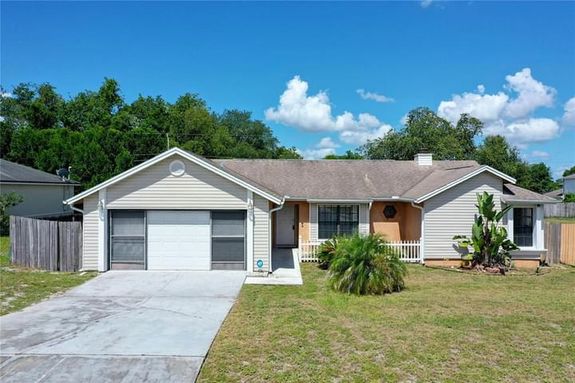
(179, 240)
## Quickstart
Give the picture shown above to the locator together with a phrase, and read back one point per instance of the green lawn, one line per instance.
(20, 287)
(446, 326)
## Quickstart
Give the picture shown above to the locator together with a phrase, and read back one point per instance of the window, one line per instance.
(523, 226)
(337, 220)
(228, 240)
(127, 238)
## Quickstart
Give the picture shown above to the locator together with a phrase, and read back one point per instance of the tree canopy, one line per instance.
(99, 134)
(426, 131)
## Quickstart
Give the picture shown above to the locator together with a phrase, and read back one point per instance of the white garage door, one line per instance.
(179, 240)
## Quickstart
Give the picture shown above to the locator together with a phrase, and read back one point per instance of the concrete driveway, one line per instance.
(122, 326)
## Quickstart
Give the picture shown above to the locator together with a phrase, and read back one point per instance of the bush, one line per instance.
(7, 200)
(366, 265)
(326, 252)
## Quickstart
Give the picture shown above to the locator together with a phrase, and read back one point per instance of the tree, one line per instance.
(426, 131)
(7, 200)
(569, 171)
(99, 135)
(349, 155)
(496, 152)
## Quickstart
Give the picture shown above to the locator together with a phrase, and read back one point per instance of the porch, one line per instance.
(409, 251)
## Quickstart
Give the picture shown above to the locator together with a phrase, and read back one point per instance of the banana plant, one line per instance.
(491, 246)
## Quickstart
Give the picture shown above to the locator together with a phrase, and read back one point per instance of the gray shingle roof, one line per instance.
(515, 193)
(13, 172)
(569, 177)
(349, 179)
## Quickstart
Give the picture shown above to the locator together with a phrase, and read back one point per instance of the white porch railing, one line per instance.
(409, 251)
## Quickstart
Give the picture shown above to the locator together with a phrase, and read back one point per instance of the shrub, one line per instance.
(366, 265)
(489, 241)
(7, 201)
(326, 252)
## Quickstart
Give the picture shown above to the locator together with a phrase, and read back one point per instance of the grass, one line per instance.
(21, 287)
(446, 326)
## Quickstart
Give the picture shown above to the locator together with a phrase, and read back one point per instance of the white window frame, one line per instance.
(537, 226)
(358, 206)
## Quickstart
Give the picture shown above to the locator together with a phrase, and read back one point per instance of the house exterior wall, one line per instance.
(452, 212)
(261, 233)
(90, 233)
(404, 226)
(39, 200)
(568, 186)
(156, 188)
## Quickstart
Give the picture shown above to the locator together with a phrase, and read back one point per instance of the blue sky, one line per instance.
(513, 64)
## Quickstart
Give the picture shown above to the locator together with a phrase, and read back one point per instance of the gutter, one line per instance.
(528, 201)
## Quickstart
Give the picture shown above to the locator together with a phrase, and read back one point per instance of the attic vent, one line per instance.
(424, 159)
(177, 168)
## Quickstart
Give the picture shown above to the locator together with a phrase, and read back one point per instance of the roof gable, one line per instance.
(238, 179)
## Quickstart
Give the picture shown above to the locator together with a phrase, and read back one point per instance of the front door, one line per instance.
(286, 227)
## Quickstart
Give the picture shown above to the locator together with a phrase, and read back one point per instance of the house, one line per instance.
(181, 211)
(568, 187)
(42, 192)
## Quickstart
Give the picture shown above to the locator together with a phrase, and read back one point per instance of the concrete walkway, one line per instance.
(286, 271)
(122, 326)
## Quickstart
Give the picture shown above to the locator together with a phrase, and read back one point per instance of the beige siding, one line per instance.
(90, 237)
(452, 212)
(156, 188)
(261, 232)
(39, 200)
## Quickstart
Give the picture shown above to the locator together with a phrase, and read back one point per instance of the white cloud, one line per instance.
(327, 143)
(374, 96)
(539, 154)
(316, 154)
(532, 94)
(6, 94)
(314, 113)
(324, 147)
(425, 3)
(508, 112)
(486, 107)
(360, 137)
(569, 115)
(526, 131)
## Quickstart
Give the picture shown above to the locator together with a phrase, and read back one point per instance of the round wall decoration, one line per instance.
(177, 168)
(389, 211)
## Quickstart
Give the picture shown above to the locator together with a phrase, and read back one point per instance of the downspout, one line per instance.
(281, 205)
(422, 237)
(369, 216)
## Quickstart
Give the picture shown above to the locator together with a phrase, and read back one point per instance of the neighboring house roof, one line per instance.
(357, 179)
(11, 172)
(555, 193)
(207, 164)
(569, 177)
(514, 193)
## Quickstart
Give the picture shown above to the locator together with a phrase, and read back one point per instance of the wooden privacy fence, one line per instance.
(47, 245)
(560, 243)
(560, 209)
